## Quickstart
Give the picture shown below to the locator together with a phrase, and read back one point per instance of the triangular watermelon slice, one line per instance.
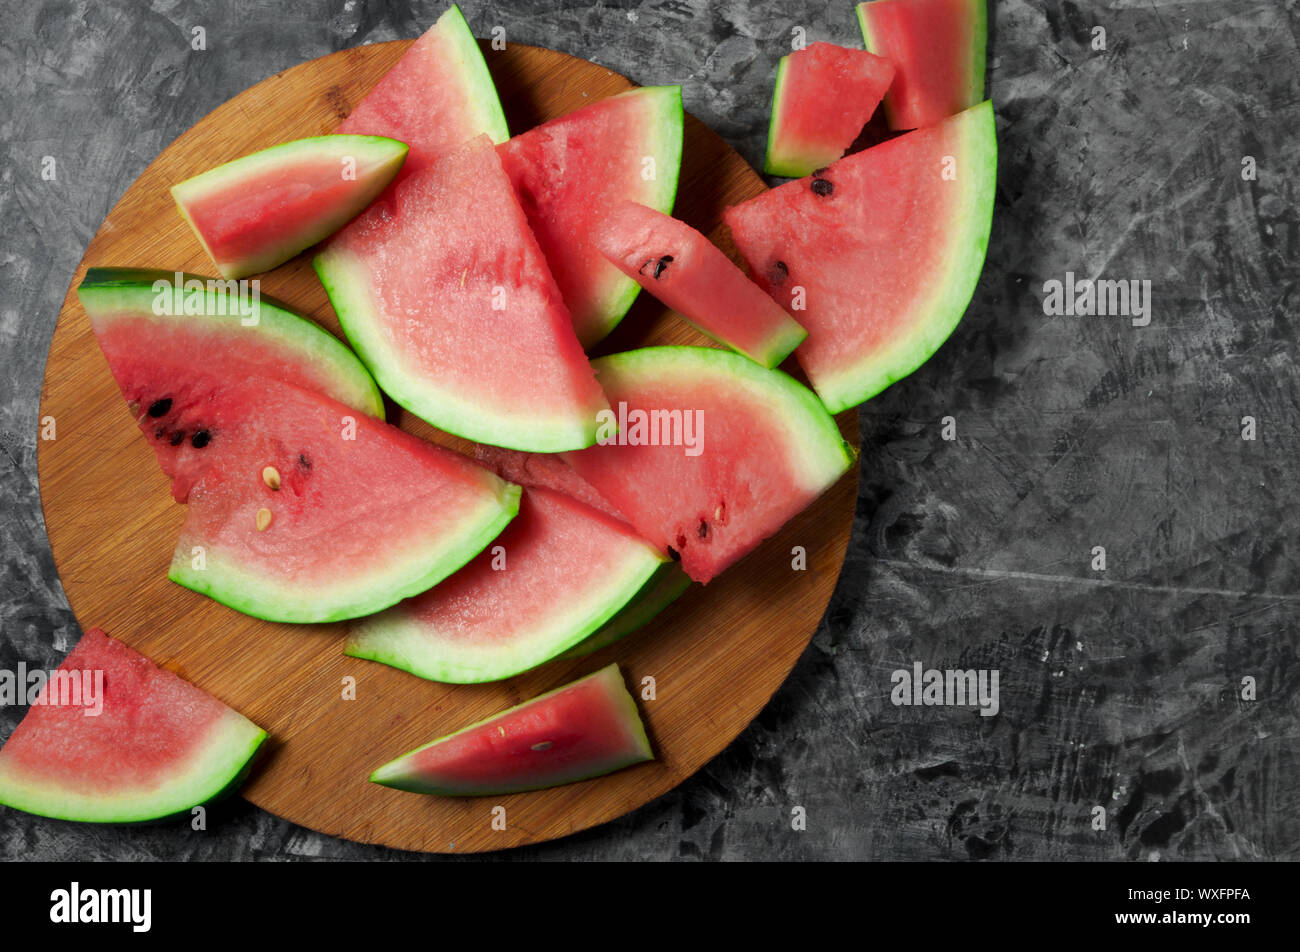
(571, 172)
(445, 295)
(114, 739)
(301, 508)
(553, 577)
(877, 255)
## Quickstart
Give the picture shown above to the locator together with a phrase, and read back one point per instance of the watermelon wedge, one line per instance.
(571, 172)
(557, 574)
(158, 745)
(878, 254)
(938, 50)
(270, 468)
(446, 297)
(585, 729)
(437, 96)
(824, 95)
(762, 448)
(685, 271)
(257, 212)
(663, 588)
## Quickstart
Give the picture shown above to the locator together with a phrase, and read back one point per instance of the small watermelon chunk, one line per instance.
(571, 172)
(446, 297)
(824, 95)
(438, 96)
(764, 448)
(559, 572)
(257, 212)
(159, 746)
(883, 249)
(586, 729)
(937, 48)
(685, 271)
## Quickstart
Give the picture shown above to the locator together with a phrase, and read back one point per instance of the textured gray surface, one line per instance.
(1118, 687)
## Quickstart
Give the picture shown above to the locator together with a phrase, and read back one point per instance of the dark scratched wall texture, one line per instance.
(1120, 688)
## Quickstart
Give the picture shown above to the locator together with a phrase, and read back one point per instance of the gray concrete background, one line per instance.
(1120, 688)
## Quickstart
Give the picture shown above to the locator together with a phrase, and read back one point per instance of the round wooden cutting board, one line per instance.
(716, 655)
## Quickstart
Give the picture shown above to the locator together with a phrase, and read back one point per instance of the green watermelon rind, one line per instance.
(974, 91)
(955, 281)
(390, 774)
(107, 293)
(420, 569)
(482, 92)
(661, 590)
(667, 132)
(220, 767)
(386, 155)
(394, 639)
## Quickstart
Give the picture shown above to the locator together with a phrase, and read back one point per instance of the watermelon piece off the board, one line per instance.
(301, 508)
(759, 449)
(437, 96)
(158, 745)
(445, 295)
(879, 253)
(569, 173)
(559, 572)
(687, 272)
(938, 50)
(588, 728)
(824, 96)
(259, 211)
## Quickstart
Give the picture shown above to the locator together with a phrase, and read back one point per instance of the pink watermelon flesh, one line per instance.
(572, 171)
(938, 50)
(437, 96)
(824, 96)
(555, 575)
(445, 295)
(546, 470)
(882, 249)
(259, 211)
(685, 271)
(585, 729)
(766, 448)
(158, 746)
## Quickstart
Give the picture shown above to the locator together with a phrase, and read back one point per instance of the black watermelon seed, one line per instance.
(674, 554)
(822, 187)
(158, 432)
(303, 461)
(703, 530)
(662, 265)
(177, 438)
(777, 273)
(818, 173)
(200, 439)
(645, 264)
(160, 407)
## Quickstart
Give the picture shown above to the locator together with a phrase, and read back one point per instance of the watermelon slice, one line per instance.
(685, 271)
(437, 96)
(663, 588)
(447, 299)
(559, 572)
(764, 448)
(883, 250)
(571, 172)
(824, 95)
(937, 48)
(158, 745)
(257, 212)
(586, 729)
(270, 468)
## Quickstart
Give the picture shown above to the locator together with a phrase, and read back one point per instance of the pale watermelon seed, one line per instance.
(271, 476)
(263, 519)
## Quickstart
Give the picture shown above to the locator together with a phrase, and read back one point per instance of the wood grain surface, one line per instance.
(716, 655)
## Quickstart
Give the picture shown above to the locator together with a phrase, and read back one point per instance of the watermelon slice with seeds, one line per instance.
(556, 575)
(879, 253)
(587, 728)
(938, 50)
(824, 96)
(762, 450)
(147, 745)
(248, 421)
(571, 172)
(259, 211)
(446, 297)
